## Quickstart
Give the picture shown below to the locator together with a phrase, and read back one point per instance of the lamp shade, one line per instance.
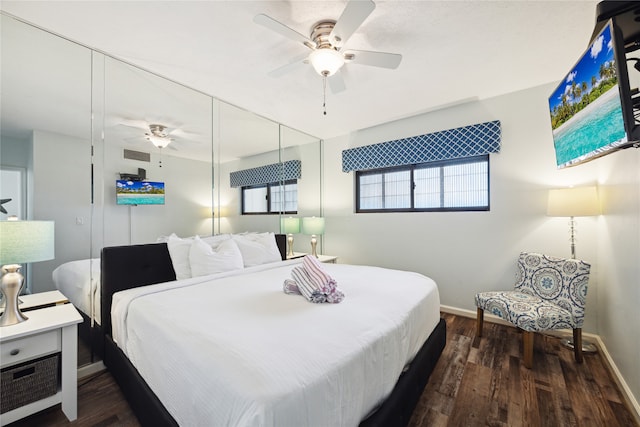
(290, 225)
(26, 241)
(578, 201)
(313, 225)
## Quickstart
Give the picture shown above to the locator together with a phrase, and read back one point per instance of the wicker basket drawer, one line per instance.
(30, 347)
(29, 382)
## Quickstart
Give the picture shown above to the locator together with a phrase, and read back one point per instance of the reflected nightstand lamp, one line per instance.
(573, 202)
(21, 242)
(290, 226)
(315, 226)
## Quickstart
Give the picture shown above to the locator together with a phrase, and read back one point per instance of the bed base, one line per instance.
(395, 411)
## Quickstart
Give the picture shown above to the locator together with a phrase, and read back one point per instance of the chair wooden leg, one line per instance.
(479, 322)
(577, 344)
(527, 343)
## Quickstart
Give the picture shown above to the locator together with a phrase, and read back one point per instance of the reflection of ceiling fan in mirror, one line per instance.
(157, 134)
(327, 41)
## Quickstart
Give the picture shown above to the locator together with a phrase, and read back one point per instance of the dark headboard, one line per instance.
(126, 267)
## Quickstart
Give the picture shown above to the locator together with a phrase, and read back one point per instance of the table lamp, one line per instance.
(290, 226)
(573, 202)
(21, 242)
(314, 226)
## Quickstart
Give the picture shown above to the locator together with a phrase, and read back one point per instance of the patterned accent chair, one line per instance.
(550, 293)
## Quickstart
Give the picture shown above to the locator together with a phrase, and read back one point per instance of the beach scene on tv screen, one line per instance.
(139, 193)
(586, 111)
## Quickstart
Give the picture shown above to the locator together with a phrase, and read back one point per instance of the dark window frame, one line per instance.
(268, 186)
(411, 168)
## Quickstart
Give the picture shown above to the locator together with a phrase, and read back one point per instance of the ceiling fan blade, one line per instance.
(183, 133)
(352, 17)
(139, 124)
(376, 59)
(283, 30)
(336, 83)
(280, 71)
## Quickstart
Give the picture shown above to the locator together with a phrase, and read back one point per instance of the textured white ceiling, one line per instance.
(452, 51)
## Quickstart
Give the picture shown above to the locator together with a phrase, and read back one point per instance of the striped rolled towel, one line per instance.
(321, 280)
(311, 281)
(306, 287)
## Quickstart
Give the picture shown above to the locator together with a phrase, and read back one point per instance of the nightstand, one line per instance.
(322, 258)
(50, 330)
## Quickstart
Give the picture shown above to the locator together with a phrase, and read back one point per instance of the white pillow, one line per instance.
(179, 253)
(257, 248)
(215, 240)
(205, 260)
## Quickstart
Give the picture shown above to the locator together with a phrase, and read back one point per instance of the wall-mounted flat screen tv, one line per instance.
(139, 192)
(587, 117)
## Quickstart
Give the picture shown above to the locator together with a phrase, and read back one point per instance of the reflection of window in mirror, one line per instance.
(12, 186)
(271, 198)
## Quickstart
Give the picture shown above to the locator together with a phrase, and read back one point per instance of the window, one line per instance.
(450, 185)
(272, 198)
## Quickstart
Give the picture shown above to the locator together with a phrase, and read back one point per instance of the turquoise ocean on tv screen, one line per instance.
(146, 199)
(596, 128)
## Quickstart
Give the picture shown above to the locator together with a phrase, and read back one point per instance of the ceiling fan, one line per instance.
(158, 134)
(327, 43)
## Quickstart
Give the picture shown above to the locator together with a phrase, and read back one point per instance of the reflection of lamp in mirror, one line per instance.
(290, 226)
(22, 242)
(572, 202)
(314, 226)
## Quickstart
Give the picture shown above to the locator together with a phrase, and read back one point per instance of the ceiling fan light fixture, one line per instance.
(159, 141)
(326, 61)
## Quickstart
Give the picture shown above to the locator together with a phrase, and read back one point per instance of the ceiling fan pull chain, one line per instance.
(324, 94)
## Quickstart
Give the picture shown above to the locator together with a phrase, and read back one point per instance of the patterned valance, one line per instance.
(467, 141)
(276, 172)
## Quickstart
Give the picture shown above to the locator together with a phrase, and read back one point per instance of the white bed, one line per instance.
(234, 348)
(79, 280)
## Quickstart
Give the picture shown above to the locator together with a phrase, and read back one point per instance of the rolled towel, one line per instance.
(321, 279)
(306, 287)
(290, 287)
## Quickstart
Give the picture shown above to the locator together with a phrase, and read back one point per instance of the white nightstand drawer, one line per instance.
(30, 347)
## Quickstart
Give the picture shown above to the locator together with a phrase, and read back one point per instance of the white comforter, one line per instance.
(234, 350)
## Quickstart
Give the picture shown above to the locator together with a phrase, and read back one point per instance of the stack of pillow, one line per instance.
(200, 256)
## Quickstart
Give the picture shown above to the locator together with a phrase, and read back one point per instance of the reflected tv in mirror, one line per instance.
(587, 117)
(135, 193)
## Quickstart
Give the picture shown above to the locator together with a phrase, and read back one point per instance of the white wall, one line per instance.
(619, 263)
(468, 252)
(61, 193)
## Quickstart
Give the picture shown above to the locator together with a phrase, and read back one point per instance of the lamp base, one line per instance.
(290, 243)
(314, 243)
(10, 287)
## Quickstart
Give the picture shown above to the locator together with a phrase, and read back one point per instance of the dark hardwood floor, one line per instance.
(477, 382)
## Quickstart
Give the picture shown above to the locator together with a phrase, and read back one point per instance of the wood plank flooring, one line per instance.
(483, 382)
(477, 382)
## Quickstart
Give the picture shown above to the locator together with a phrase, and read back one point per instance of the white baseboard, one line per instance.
(617, 376)
(626, 391)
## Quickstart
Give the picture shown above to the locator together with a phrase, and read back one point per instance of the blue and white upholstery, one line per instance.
(550, 293)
